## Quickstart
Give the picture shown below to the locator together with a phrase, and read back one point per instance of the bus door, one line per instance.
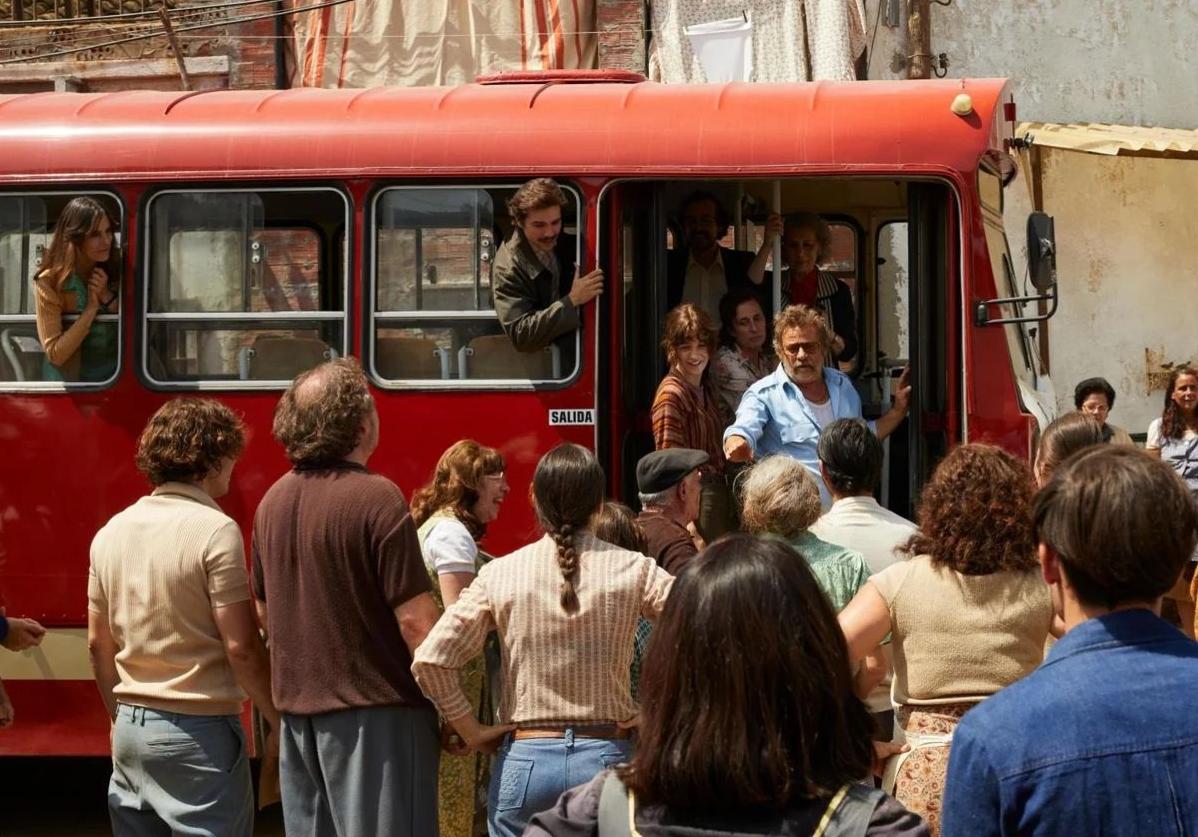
(632, 243)
(933, 360)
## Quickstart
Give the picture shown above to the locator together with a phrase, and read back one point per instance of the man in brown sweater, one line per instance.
(341, 585)
(667, 482)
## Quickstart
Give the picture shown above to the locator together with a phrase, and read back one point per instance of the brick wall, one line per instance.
(621, 25)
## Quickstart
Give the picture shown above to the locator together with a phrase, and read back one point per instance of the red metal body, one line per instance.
(68, 457)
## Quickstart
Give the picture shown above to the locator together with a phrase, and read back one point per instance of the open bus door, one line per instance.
(928, 425)
(634, 219)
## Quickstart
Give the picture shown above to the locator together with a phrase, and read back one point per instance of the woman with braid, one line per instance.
(565, 608)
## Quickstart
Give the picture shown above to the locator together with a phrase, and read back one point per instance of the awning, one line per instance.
(1125, 140)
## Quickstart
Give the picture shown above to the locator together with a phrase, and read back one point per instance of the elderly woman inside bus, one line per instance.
(79, 275)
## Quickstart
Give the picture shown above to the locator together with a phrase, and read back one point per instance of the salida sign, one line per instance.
(571, 417)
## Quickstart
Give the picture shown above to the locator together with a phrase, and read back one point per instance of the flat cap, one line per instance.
(664, 469)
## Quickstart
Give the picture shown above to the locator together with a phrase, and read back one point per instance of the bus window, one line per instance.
(26, 226)
(1019, 342)
(893, 292)
(433, 316)
(244, 288)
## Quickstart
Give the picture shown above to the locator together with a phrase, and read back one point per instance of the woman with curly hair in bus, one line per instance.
(1174, 438)
(686, 412)
(79, 274)
(452, 513)
(968, 613)
(750, 725)
(565, 608)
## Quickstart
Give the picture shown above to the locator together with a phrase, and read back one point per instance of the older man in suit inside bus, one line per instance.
(786, 411)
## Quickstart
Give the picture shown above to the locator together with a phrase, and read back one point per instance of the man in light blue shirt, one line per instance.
(785, 412)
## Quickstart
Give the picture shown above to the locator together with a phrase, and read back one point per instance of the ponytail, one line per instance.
(567, 562)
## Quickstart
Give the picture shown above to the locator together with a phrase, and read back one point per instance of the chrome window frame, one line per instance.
(266, 318)
(371, 284)
(118, 317)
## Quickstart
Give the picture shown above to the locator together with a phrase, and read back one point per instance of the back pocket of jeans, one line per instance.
(513, 784)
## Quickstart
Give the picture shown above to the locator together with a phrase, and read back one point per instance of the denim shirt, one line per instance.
(1101, 739)
(775, 418)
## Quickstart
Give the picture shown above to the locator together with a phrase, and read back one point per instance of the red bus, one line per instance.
(263, 232)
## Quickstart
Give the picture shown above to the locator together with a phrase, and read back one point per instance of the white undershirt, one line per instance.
(822, 413)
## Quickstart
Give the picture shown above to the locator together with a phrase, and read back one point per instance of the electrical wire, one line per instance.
(179, 10)
(869, 59)
(157, 33)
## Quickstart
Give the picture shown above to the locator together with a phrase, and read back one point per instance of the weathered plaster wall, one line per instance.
(1127, 63)
(1128, 273)
(1128, 258)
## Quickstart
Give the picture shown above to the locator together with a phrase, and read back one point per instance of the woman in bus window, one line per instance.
(452, 513)
(565, 608)
(1174, 438)
(744, 356)
(79, 275)
(686, 411)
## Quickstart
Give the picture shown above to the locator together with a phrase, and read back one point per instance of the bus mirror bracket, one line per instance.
(981, 309)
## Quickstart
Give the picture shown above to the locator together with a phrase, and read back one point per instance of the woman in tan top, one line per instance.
(78, 275)
(968, 613)
(565, 609)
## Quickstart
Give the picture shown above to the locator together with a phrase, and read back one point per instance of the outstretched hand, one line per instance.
(23, 633)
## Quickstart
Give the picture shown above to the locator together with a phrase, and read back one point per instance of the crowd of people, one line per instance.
(762, 649)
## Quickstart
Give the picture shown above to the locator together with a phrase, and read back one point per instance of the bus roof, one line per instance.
(629, 129)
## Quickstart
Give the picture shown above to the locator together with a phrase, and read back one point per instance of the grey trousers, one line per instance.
(179, 774)
(360, 773)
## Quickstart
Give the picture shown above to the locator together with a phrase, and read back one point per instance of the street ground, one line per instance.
(67, 797)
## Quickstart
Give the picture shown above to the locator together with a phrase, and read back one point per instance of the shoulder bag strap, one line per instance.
(849, 812)
(615, 808)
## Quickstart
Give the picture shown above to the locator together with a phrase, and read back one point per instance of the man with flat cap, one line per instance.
(667, 483)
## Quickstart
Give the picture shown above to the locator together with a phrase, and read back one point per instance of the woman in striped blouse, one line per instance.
(686, 411)
(565, 609)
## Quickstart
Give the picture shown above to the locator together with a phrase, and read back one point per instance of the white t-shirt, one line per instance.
(822, 413)
(1153, 442)
(448, 548)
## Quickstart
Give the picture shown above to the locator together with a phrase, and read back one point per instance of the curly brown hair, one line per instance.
(319, 419)
(975, 515)
(801, 316)
(538, 193)
(187, 439)
(455, 484)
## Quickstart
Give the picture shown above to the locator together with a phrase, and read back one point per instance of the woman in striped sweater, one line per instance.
(565, 609)
(686, 412)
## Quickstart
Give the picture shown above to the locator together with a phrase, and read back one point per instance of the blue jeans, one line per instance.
(179, 774)
(530, 775)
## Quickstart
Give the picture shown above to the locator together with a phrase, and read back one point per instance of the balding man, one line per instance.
(342, 588)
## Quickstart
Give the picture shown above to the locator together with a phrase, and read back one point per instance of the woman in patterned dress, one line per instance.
(968, 612)
(452, 513)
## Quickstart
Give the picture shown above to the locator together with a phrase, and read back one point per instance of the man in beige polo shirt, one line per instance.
(173, 636)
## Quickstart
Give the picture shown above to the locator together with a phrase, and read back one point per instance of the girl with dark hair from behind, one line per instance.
(1174, 438)
(749, 724)
(565, 609)
(1062, 438)
(79, 274)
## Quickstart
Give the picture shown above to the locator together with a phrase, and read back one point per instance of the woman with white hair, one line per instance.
(781, 498)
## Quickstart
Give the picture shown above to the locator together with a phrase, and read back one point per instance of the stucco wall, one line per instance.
(1128, 258)
(1127, 63)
